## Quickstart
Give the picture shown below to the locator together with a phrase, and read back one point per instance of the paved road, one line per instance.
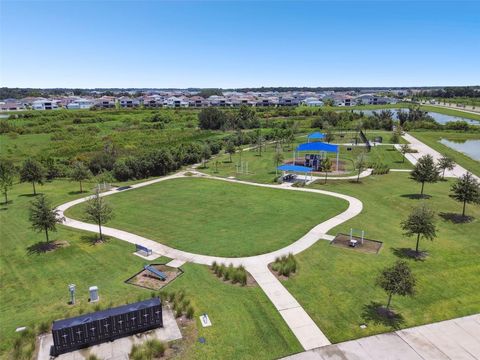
(451, 339)
(307, 332)
(423, 149)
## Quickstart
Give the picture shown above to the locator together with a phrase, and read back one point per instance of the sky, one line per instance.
(234, 44)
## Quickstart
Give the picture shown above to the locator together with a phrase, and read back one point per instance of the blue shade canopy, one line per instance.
(295, 168)
(317, 146)
(316, 135)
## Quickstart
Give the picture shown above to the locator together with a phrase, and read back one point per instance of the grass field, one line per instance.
(432, 139)
(214, 217)
(33, 286)
(336, 286)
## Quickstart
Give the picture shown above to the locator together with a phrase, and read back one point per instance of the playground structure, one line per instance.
(313, 160)
(161, 275)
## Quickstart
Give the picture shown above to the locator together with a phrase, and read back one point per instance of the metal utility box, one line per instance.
(93, 293)
(106, 325)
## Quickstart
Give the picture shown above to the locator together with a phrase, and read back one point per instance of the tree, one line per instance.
(7, 174)
(466, 190)
(206, 153)
(230, 149)
(329, 136)
(445, 163)
(98, 211)
(211, 118)
(420, 222)
(397, 280)
(404, 149)
(259, 141)
(425, 171)
(43, 216)
(277, 158)
(32, 171)
(360, 165)
(80, 173)
(326, 165)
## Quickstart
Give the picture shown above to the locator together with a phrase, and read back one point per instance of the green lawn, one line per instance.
(214, 217)
(336, 285)
(33, 286)
(432, 139)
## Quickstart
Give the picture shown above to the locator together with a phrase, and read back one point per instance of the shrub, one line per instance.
(379, 168)
(285, 265)
(214, 267)
(93, 357)
(190, 312)
(171, 297)
(43, 327)
(155, 347)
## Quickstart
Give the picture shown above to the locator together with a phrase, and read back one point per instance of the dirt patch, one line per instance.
(148, 280)
(368, 246)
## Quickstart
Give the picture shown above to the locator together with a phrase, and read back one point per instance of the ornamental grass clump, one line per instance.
(285, 265)
(236, 275)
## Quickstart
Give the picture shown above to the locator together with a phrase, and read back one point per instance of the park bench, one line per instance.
(141, 248)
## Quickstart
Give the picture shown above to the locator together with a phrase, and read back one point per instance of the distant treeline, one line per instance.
(453, 92)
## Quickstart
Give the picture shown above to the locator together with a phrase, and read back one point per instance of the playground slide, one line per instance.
(156, 272)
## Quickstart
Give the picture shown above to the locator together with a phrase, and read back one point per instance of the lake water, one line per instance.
(470, 147)
(439, 118)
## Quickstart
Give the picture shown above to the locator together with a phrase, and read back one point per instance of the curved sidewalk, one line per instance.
(307, 332)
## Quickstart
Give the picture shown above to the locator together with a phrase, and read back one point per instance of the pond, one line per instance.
(469, 147)
(439, 118)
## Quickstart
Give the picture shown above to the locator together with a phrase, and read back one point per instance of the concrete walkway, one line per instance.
(306, 331)
(451, 339)
(423, 149)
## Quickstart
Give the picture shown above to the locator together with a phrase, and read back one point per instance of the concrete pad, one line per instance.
(310, 336)
(470, 325)
(353, 350)
(118, 349)
(421, 344)
(435, 334)
(458, 335)
(296, 317)
(149, 257)
(176, 263)
(380, 347)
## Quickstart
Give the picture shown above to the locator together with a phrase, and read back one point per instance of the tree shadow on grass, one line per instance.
(94, 239)
(379, 315)
(356, 182)
(416, 196)
(29, 195)
(456, 218)
(407, 253)
(43, 247)
(77, 192)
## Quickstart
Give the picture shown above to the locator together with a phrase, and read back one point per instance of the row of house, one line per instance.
(228, 99)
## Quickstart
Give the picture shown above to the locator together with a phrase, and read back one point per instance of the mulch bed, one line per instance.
(148, 280)
(368, 246)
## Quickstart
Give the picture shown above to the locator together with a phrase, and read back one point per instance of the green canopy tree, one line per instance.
(32, 171)
(445, 163)
(7, 174)
(230, 149)
(326, 165)
(420, 222)
(80, 172)
(98, 211)
(425, 171)
(277, 158)
(404, 149)
(43, 216)
(466, 190)
(206, 153)
(397, 280)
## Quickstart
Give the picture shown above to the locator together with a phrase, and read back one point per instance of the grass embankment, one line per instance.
(451, 112)
(214, 217)
(336, 286)
(432, 139)
(34, 289)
